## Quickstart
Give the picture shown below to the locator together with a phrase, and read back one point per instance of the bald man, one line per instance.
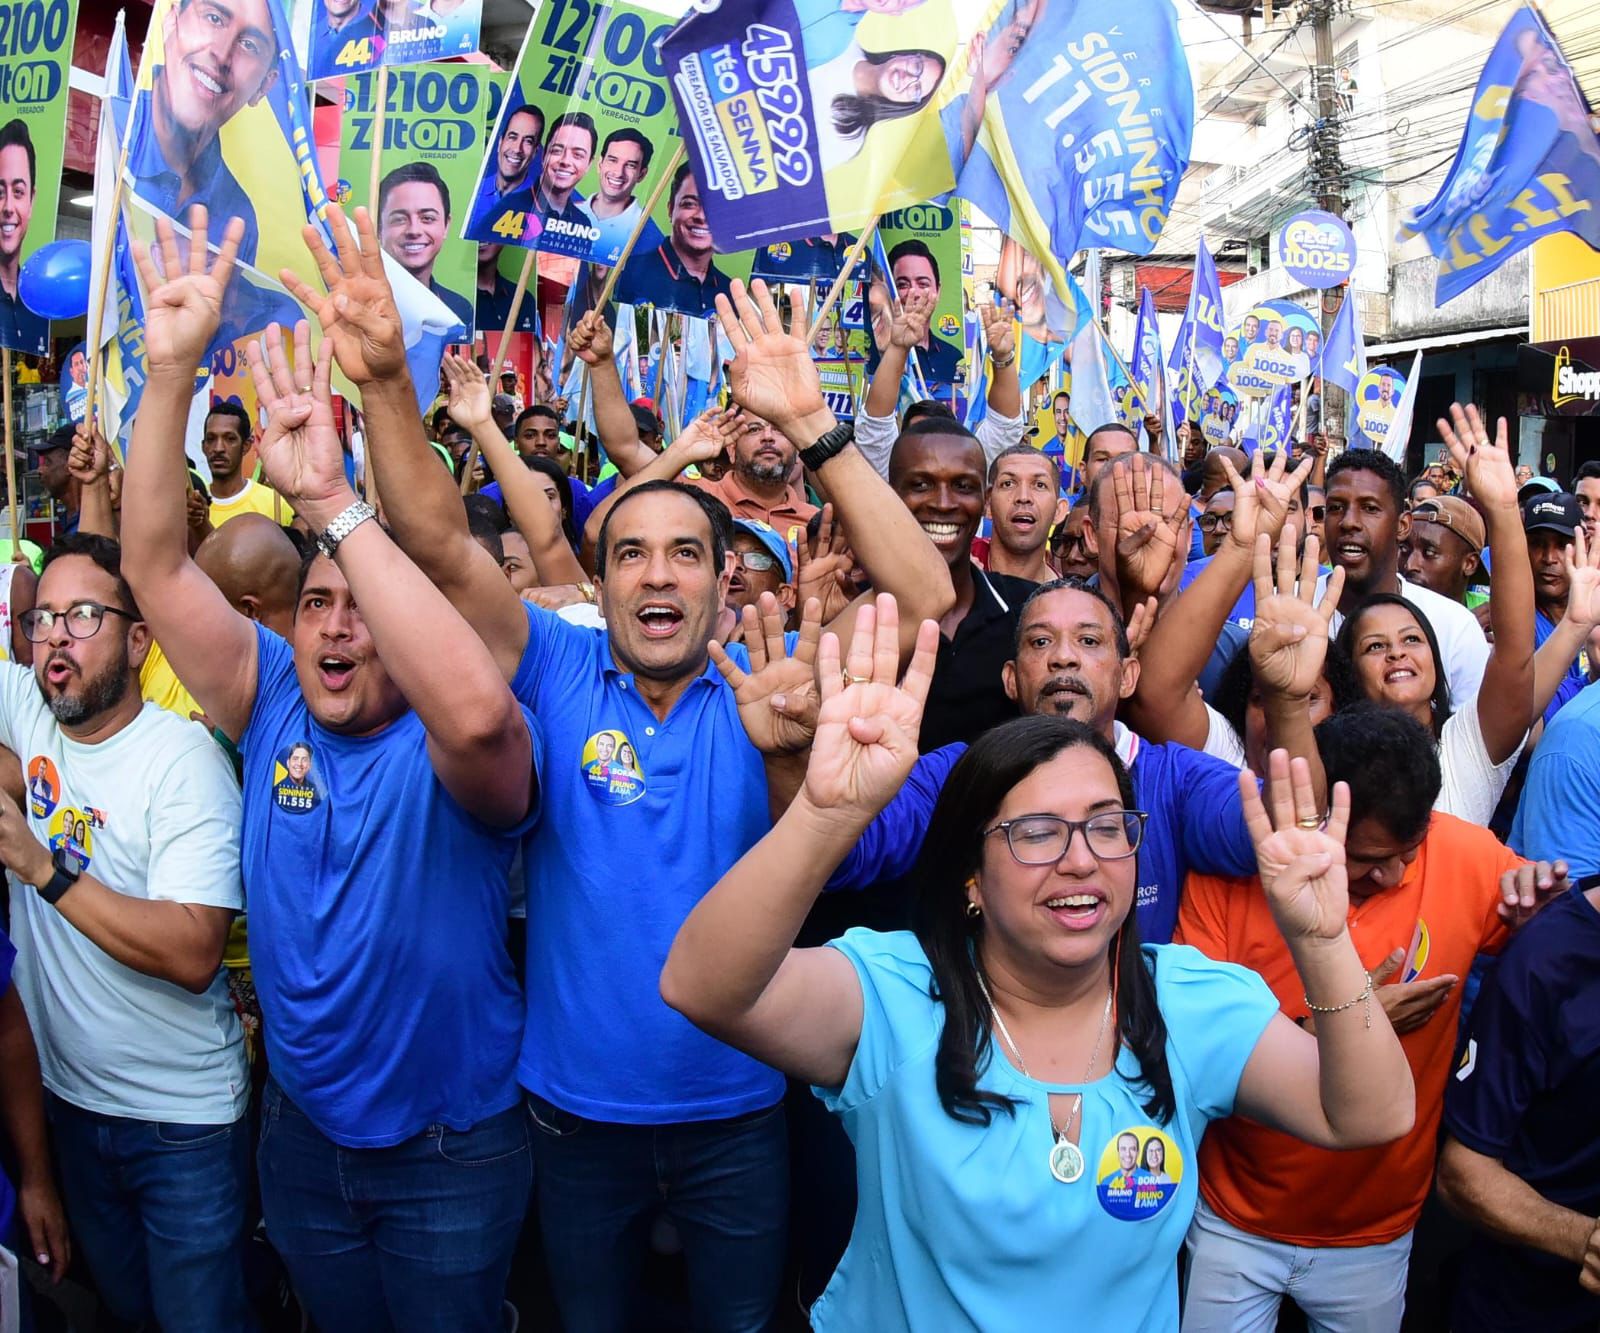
(257, 568)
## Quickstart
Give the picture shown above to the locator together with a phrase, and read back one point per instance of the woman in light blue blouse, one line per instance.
(1003, 1069)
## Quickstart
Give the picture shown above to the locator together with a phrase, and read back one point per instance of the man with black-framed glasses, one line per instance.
(125, 868)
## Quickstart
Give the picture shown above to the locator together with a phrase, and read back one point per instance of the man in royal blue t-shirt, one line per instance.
(387, 775)
(652, 792)
(1521, 1161)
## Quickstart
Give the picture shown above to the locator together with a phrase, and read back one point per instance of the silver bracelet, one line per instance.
(1364, 998)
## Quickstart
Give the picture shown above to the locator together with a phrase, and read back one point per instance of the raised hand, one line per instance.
(710, 434)
(1301, 860)
(1141, 527)
(1261, 497)
(357, 312)
(908, 325)
(822, 568)
(90, 457)
(866, 740)
(999, 328)
(771, 374)
(1141, 622)
(470, 403)
(183, 297)
(1490, 475)
(1582, 562)
(777, 697)
(1289, 638)
(299, 450)
(591, 341)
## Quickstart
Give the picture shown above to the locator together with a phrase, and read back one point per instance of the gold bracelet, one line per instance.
(1364, 998)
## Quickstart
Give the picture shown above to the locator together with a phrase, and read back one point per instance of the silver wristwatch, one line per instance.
(343, 525)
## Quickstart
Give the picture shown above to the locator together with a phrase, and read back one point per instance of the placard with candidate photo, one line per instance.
(352, 36)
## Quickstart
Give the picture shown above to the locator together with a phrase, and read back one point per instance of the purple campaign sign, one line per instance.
(1318, 250)
(738, 76)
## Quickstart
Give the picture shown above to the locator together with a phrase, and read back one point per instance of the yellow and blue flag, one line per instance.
(1197, 355)
(1528, 164)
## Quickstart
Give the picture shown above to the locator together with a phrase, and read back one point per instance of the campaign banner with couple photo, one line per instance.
(1276, 343)
(353, 36)
(584, 132)
(921, 247)
(433, 134)
(36, 39)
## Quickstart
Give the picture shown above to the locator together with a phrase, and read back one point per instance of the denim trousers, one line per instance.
(158, 1211)
(415, 1237)
(723, 1183)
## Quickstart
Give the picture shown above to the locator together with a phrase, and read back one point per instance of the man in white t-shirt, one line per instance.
(125, 878)
(1364, 524)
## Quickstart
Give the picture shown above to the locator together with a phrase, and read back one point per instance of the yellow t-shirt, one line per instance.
(159, 684)
(256, 498)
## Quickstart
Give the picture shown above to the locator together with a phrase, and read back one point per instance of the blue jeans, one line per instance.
(418, 1236)
(158, 1211)
(724, 1184)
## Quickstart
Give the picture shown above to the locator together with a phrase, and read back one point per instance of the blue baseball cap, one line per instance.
(769, 537)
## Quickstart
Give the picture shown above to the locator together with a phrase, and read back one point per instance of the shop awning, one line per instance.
(1446, 340)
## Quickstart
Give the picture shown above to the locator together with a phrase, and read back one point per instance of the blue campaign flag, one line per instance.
(116, 338)
(1344, 354)
(1528, 164)
(1280, 419)
(1148, 371)
(1196, 357)
(1075, 129)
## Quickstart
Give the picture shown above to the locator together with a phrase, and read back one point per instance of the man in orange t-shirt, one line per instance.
(759, 485)
(1427, 894)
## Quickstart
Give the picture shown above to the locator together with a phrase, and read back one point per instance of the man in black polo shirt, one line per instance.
(937, 470)
(1521, 1160)
(678, 274)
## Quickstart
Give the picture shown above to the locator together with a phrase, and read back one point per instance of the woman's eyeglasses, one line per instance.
(1042, 840)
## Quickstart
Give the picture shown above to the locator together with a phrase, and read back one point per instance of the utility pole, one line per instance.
(1326, 167)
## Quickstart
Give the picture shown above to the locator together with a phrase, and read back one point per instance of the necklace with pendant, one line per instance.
(1066, 1158)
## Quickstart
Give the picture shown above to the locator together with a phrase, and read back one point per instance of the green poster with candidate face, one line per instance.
(433, 135)
(35, 54)
(922, 246)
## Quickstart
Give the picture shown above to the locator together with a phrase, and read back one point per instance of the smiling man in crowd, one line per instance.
(414, 212)
(677, 274)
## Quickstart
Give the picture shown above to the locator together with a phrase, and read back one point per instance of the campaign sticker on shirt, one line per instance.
(1139, 1173)
(295, 785)
(70, 834)
(1417, 955)
(611, 769)
(44, 786)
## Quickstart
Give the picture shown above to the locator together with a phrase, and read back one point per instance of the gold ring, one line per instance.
(305, 388)
(1312, 822)
(856, 680)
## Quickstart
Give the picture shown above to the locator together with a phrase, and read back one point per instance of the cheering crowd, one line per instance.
(1152, 907)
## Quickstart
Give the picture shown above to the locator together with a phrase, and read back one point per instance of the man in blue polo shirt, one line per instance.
(388, 774)
(652, 792)
(1520, 1161)
(1555, 817)
(1073, 660)
(678, 274)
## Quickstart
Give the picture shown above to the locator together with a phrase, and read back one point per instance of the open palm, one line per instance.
(1487, 466)
(866, 741)
(772, 374)
(1289, 637)
(470, 404)
(183, 298)
(1302, 868)
(777, 697)
(357, 312)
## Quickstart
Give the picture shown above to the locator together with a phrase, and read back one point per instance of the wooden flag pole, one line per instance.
(11, 457)
(500, 351)
(375, 175)
(850, 262)
(638, 227)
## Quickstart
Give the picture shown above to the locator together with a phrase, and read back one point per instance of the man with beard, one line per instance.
(126, 879)
(218, 57)
(226, 438)
(20, 328)
(757, 486)
(1025, 503)
(514, 153)
(414, 221)
(678, 274)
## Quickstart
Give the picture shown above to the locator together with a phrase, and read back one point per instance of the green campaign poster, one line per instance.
(922, 245)
(433, 136)
(35, 54)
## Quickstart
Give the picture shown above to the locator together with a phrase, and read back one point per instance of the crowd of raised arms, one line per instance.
(734, 893)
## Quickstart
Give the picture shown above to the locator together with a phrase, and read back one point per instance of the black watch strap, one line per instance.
(66, 875)
(828, 446)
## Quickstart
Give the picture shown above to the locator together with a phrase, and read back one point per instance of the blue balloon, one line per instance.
(54, 281)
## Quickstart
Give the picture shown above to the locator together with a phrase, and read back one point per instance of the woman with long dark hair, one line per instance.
(860, 89)
(994, 1066)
